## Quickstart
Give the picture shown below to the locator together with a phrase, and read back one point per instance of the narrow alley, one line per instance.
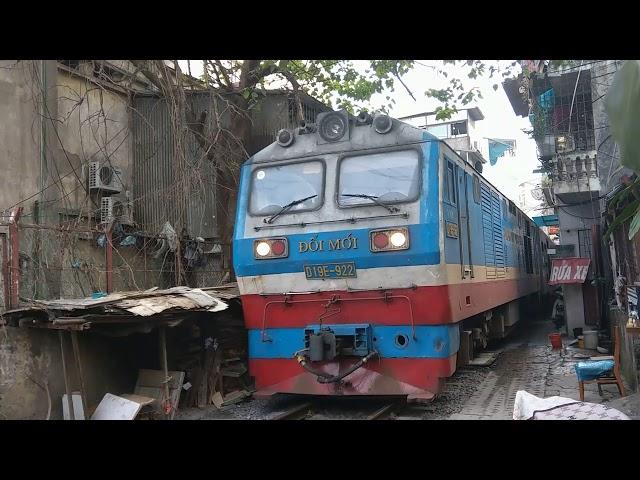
(260, 239)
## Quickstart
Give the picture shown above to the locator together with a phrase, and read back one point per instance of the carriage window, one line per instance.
(275, 187)
(450, 185)
(476, 189)
(390, 177)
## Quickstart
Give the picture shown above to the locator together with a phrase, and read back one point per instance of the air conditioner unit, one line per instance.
(116, 209)
(104, 178)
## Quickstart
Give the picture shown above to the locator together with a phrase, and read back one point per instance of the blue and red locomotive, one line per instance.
(361, 246)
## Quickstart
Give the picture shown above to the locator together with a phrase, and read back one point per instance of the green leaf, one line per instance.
(635, 225)
(623, 108)
(625, 215)
(622, 194)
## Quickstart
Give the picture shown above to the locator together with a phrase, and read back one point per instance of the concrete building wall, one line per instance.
(573, 219)
(90, 120)
(19, 132)
(94, 125)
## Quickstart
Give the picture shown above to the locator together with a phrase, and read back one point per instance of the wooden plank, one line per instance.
(214, 377)
(217, 399)
(235, 397)
(154, 378)
(138, 398)
(78, 407)
(175, 394)
(234, 371)
(150, 383)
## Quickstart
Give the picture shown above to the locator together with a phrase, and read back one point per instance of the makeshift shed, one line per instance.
(198, 360)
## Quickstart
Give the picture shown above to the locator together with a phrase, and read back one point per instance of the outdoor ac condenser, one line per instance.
(116, 209)
(104, 178)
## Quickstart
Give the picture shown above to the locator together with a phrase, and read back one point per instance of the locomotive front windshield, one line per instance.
(388, 177)
(273, 188)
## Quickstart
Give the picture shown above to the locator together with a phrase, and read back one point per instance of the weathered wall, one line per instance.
(29, 357)
(19, 133)
(572, 219)
(25, 357)
(92, 124)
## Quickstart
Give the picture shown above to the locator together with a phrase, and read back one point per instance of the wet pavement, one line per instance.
(528, 363)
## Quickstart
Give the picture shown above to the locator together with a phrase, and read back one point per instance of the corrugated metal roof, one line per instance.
(141, 303)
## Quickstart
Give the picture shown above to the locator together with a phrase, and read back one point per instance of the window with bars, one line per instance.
(584, 243)
(565, 107)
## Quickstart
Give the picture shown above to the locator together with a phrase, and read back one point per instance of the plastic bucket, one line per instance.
(591, 339)
(556, 340)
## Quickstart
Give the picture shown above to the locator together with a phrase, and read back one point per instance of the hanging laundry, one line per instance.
(547, 100)
(498, 147)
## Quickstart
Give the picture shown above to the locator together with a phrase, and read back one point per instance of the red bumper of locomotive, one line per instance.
(418, 379)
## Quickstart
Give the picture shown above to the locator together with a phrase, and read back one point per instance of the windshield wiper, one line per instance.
(373, 198)
(287, 207)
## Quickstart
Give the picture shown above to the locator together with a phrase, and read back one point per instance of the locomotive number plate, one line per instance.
(330, 270)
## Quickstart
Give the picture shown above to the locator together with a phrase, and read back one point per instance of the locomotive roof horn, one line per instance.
(306, 127)
(382, 123)
(364, 118)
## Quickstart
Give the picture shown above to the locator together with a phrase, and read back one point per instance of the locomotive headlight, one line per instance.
(268, 248)
(332, 127)
(263, 249)
(389, 240)
(398, 239)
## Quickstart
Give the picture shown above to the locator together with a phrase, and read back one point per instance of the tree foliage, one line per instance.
(240, 85)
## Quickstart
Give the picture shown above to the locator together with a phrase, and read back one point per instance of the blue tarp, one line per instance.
(497, 149)
(591, 370)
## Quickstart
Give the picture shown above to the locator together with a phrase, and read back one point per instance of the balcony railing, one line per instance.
(575, 173)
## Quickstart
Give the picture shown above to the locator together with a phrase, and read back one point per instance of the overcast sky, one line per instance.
(500, 121)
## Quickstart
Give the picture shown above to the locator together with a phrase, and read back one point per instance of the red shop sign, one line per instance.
(569, 270)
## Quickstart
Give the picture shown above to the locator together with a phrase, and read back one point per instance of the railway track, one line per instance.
(308, 411)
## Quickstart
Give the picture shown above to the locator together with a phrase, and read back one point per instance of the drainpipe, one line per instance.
(14, 237)
(5, 272)
(109, 258)
(39, 205)
(43, 158)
